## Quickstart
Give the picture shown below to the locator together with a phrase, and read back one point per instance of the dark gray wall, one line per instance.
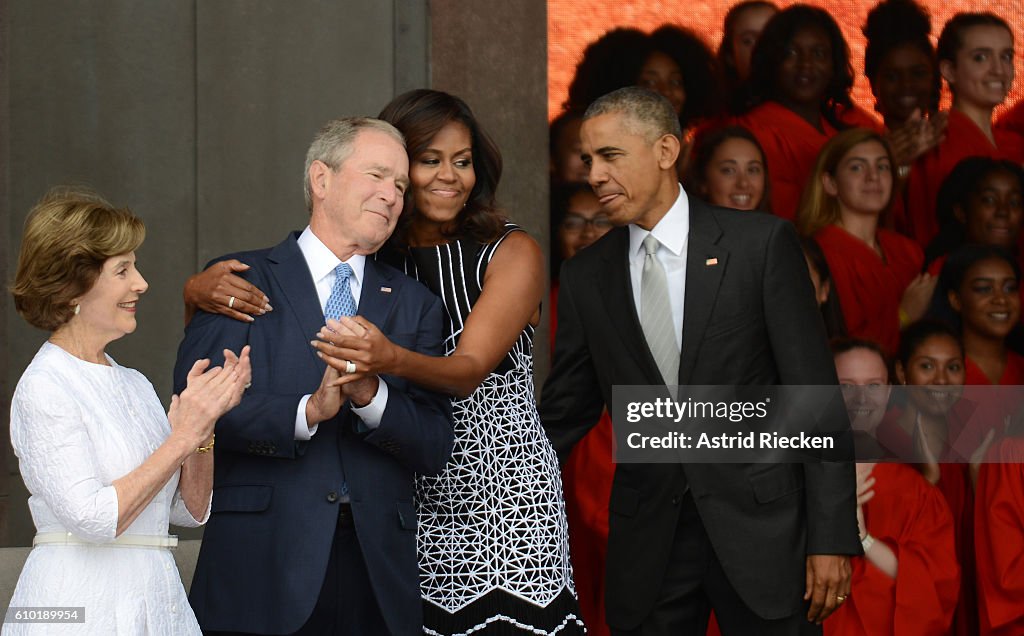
(496, 59)
(197, 115)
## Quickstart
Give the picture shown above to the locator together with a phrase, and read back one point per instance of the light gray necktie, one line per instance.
(656, 314)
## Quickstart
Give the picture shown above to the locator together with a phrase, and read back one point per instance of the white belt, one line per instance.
(123, 541)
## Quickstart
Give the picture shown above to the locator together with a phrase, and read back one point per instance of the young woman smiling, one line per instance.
(875, 270)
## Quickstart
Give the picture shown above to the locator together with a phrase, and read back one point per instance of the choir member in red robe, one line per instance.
(931, 366)
(999, 539)
(875, 271)
(980, 284)
(975, 53)
(797, 97)
(908, 579)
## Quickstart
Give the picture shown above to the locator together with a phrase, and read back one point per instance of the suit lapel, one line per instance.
(621, 306)
(290, 271)
(377, 297)
(705, 264)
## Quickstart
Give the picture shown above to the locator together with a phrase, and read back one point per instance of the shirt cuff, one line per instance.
(372, 413)
(303, 433)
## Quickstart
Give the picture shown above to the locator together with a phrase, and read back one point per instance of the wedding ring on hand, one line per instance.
(350, 367)
(231, 302)
(840, 599)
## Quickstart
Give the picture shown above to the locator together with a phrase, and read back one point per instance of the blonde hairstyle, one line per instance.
(68, 237)
(818, 208)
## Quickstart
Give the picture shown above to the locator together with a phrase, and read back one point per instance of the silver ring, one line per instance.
(350, 366)
(247, 385)
(231, 302)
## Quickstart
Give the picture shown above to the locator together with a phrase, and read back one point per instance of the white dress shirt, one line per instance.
(672, 232)
(322, 262)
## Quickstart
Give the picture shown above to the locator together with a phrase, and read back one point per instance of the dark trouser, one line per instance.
(695, 584)
(346, 605)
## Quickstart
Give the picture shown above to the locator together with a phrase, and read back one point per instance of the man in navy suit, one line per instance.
(312, 528)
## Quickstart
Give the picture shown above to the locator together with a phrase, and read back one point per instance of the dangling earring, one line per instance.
(78, 309)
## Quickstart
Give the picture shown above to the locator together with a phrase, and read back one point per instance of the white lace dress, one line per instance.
(76, 427)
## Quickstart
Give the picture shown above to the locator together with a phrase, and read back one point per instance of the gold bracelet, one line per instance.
(208, 447)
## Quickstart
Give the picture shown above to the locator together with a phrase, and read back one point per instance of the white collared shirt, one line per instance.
(673, 232)
(322, 263)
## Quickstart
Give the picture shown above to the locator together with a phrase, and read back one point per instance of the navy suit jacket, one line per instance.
(275, 499)
(749, 319)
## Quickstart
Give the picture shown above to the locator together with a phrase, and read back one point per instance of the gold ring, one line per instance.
(840, 598)
(231, 302)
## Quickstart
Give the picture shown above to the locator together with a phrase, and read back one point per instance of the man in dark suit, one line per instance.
(764, 545)
(312, 528)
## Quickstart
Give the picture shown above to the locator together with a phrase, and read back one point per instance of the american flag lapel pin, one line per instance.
(711, 262)
(386, 290)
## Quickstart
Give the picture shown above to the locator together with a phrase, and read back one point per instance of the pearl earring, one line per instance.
(78, 309)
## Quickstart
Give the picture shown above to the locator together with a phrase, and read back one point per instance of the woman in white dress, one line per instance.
(105, 466)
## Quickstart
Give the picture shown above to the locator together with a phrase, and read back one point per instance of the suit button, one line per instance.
(675, 501)
(332, 497)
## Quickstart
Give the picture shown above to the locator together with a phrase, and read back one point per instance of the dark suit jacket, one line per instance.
(266, 546)
(750, 319)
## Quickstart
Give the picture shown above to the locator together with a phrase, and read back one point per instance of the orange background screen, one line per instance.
(572, 24)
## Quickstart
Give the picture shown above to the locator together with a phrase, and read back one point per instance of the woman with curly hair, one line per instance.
(798, 97)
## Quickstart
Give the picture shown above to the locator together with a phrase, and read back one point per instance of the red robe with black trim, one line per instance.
(791, 147)
(999, 539)
(963, 139)
(870, 288)
(910, 516)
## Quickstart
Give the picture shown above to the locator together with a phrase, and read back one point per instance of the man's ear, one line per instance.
(319, 174)
(829, 184)
(667, 149)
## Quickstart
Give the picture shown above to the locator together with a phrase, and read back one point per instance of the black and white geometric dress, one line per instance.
(493, 541)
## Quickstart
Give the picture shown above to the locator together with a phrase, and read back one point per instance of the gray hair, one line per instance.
(647, 113)
(334, 143)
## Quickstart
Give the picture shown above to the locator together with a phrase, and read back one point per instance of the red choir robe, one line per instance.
(791, 147)
(999, 540)
(910, 516)
(963, 139)
(1012, 119)
(869, 287)
(955, 486)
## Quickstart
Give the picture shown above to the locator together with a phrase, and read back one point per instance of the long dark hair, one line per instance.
(615, 60)
(770, 51)
(419, 115)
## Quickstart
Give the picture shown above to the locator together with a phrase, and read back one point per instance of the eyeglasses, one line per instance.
(576, 223)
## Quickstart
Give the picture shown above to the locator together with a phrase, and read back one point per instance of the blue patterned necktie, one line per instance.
(340, 303)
